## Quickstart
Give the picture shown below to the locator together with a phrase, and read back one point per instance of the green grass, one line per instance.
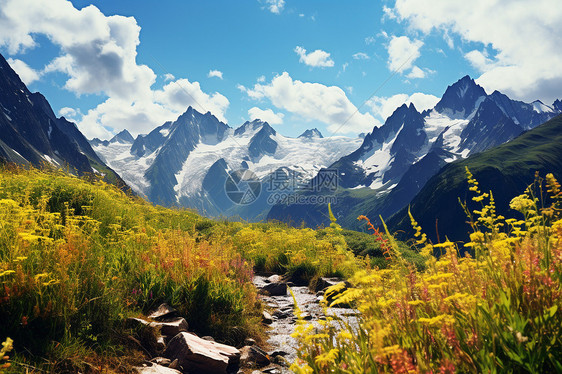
(79, 256)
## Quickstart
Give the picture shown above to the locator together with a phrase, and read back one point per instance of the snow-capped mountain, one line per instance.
(465, 121)
(30, 133)
(188, 162)
(396, 160)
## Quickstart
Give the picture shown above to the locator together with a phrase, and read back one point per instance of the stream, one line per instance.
(283, 325)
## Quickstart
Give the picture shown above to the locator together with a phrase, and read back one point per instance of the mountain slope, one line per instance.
(505, 170)
(188, 162)
(397, 159)
(30, 133)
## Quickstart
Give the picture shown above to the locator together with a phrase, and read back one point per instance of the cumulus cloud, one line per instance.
(416, 72)
(385, 106)
(318, 58)
(275, 6)
(480, 60)
(361, 56)
(266, 115)
(180, 94)
(314, 101)
(98, 54)
(402, 53)
(27, 74)
(524, 37)
(215, 74)
(169, 77)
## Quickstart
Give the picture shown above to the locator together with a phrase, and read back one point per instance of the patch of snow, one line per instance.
(539, 107)
(305, 156)
(50, 160)
(165, 132)
(462, 91)
(437, 123)
(130, 167)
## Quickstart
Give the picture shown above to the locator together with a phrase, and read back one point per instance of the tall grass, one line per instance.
(77, 258)
(497, 309)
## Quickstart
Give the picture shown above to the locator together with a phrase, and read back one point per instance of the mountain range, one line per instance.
(202, 163)
(506, 171)
(189, 162)
(396, 160)
(31, 134)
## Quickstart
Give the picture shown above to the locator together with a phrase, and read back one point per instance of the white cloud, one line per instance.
(361, 56)
(402, 53)
(261, 79)
(525, 37)
(215, 74)
(275, 6)
(27, 74)
(383, 107)
(314, 101)
(388, 12)
(416, 72)
(98, 54)
(69, 113)
(370, 40)
(318, 58)
(180, 94)
(266, 115)
(344, 66)
(480, 60)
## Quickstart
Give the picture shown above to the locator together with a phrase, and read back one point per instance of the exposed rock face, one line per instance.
(31, 134)
(253, 354)
(157, 369)
(202, 356)
(275, 289)
(163, 313)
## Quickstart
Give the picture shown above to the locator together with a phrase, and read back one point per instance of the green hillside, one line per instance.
(78, 256)
(505, 170)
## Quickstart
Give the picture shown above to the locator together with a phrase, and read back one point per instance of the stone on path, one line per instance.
(197, 355)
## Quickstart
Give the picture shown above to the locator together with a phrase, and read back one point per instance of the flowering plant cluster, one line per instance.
(495, 309)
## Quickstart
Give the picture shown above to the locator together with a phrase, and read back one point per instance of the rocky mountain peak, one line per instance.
(123, 137)
(461, 98)
(311, 133)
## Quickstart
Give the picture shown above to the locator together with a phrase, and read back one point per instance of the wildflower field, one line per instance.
(495, 309)
(77, 257)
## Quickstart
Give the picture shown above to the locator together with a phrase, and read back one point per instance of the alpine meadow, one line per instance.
(274, 187)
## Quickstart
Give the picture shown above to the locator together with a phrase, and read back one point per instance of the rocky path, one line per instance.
(282, 320)
(165, 336)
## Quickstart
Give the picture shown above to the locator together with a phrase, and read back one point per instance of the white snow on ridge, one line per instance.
(539, 107)
(305, 156)
(436, 123)
(379, 161)
(131, 168)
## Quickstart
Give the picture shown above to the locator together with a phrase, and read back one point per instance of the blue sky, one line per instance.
(110, 65)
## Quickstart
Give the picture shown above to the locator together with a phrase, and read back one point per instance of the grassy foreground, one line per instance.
(496, 310)
(78, 257)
